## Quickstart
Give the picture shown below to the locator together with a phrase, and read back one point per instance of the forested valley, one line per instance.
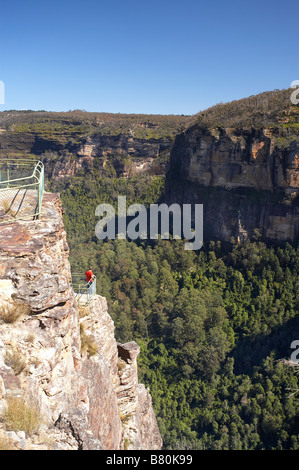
(215, 326)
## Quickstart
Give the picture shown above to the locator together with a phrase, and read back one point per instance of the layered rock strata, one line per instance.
(243, 178)
(126, 154)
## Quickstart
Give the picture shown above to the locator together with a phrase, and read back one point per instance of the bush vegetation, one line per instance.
(88, 345)
(20, 415)
(268, 109)
(15, 360)
(10, 312)
(212, 325)
(78, 124)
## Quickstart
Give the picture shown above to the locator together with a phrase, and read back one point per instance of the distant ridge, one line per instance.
(270, 108)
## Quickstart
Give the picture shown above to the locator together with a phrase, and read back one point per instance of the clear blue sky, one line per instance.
(137, 56)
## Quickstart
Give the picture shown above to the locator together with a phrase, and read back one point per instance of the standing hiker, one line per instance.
(90, 281)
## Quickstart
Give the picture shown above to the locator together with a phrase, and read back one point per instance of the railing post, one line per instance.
(26, 204)
(82, 289)
(40, 191)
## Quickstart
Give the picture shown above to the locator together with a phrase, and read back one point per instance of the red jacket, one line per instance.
(88, 275)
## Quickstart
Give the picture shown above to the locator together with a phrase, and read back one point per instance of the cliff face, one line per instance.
(85, 401)
(243, 178)
(83, 143)
(125, 154)
(232, 158)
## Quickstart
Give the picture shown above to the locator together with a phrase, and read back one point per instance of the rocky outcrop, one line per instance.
(123, 154)
(135, 403)
(244, 179)
(99, 154)
(234, 158)
(81, 397)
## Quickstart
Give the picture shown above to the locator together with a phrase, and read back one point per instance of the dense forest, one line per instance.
(215, 326)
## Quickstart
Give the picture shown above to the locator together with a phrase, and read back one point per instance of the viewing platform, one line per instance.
(21, 189)
(84, 291)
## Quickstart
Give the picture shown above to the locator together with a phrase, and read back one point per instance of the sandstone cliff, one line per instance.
(80, 143)
(83, 400)
(243, 177)
(123, 154)
(97, 154)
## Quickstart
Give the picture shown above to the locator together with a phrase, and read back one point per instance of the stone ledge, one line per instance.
(128, 351)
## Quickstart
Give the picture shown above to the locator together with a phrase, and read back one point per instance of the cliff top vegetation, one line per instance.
(80, 122)
(268, 109)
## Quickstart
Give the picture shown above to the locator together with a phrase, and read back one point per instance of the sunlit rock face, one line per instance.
(81, 397)
(242, 177)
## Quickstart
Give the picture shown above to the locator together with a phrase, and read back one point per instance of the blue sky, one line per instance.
(157, 57)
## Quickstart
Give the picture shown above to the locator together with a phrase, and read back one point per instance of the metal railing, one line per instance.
(84, 292)
(21, 189)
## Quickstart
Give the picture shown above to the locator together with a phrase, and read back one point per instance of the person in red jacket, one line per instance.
(89, 276)
(89, 282)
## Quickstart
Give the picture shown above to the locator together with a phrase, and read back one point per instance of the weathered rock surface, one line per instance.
(126, 153)
(82, 398)
(243, 179)
(140, 426)
(233, 158)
